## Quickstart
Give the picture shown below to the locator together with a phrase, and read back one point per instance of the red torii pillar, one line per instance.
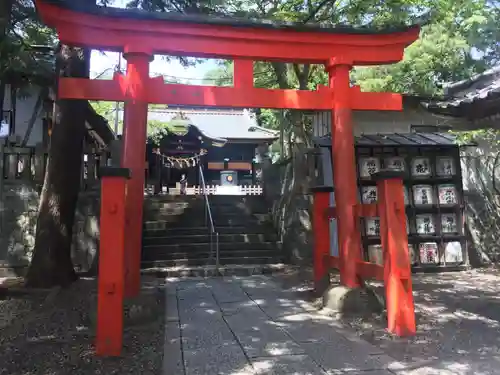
(344, 171)
(133, 158)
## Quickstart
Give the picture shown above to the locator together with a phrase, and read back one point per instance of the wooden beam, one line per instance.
(243, 74)
(159, 92)
(128, 33)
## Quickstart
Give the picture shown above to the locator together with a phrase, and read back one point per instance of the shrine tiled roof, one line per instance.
(221, 19)
(477, 97)
(218, 124)
(398, 140)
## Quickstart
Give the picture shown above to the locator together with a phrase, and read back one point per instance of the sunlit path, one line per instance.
(239, 326)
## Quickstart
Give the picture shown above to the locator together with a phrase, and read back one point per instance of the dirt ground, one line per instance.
(458, 321)
(52, 332)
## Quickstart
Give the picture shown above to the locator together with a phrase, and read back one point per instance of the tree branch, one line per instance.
(313, 14)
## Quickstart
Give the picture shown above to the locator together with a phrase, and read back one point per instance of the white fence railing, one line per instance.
(218, 190)
(226, 190)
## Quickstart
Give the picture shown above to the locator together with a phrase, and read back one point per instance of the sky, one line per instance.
(101, 62)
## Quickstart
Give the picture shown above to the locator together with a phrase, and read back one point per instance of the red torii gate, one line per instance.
(139, 35)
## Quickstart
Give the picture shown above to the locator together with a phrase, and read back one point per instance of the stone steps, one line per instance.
(211, 270)
(156, 225)
(180, 209)
(175, 234)
(187, 262)
(207, 253)
(162, 229)
(199, 221)
(191, 238)
(194, 248)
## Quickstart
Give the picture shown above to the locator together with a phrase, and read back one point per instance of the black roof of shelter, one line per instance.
(221, 19)
(397, 140)
(474, 98)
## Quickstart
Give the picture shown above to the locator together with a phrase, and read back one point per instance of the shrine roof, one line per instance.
(219, 19)
(218, 124)
(397, 140)
(474, 98)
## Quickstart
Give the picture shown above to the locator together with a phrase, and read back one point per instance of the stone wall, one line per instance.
(291, 208)
(17, 235)
(481, 172)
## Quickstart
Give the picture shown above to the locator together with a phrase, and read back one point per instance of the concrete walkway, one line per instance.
(240, 326)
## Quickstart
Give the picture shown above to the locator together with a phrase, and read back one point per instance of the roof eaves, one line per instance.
(434, 139)
(257, 128)
(221, 19)
(454, 88)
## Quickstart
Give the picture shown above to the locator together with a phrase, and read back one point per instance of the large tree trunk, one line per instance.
(5, 17)
(51, 264)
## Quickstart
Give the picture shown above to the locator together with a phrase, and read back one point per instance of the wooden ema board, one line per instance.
(139, 36)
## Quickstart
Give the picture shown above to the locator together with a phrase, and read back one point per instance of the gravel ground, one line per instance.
(458, 314)
(458, 319)
(56, 337)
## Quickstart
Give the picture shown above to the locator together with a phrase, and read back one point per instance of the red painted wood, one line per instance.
(321, 233)
(111, 268)
(330, 213)
(133, 157)
(210, 96)
(335, 262)
(344, 175)
(367, 270)
(243, 74)
(397, 269)
(367, 210)
(221, 41)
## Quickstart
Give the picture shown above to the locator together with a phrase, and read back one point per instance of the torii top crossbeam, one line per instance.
(177, 34)
(133, 31)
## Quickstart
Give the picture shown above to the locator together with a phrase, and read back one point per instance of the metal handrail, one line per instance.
(208, 215)
(209, 220)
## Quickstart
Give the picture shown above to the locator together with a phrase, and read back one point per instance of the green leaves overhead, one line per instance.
(448, 50)
(460, 38)
(22, 61)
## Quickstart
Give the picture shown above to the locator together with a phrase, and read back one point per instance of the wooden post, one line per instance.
(344, 171)
(2, 184)
(116, 151)
(254, 181)
(397, 268)
(133, 157)
(91, 167)
(321, 233)
(39, 163)
(111, 281)
(158, 185)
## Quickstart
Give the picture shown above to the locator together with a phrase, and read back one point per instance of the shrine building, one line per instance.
(225, 142)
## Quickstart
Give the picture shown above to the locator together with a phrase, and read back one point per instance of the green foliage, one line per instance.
(220, 76)
(156, 129)
(491, 136)
(431, 61)
(159, 129)
(21, 62)
(460, 39)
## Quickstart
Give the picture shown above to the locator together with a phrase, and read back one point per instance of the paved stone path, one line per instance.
(240, 326)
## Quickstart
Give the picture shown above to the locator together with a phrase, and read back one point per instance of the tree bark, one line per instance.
(51, 264)
(5, 17)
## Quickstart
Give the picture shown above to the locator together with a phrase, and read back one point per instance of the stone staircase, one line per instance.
(176, 239)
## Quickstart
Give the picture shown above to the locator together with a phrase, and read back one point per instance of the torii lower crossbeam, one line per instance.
(159, 92)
